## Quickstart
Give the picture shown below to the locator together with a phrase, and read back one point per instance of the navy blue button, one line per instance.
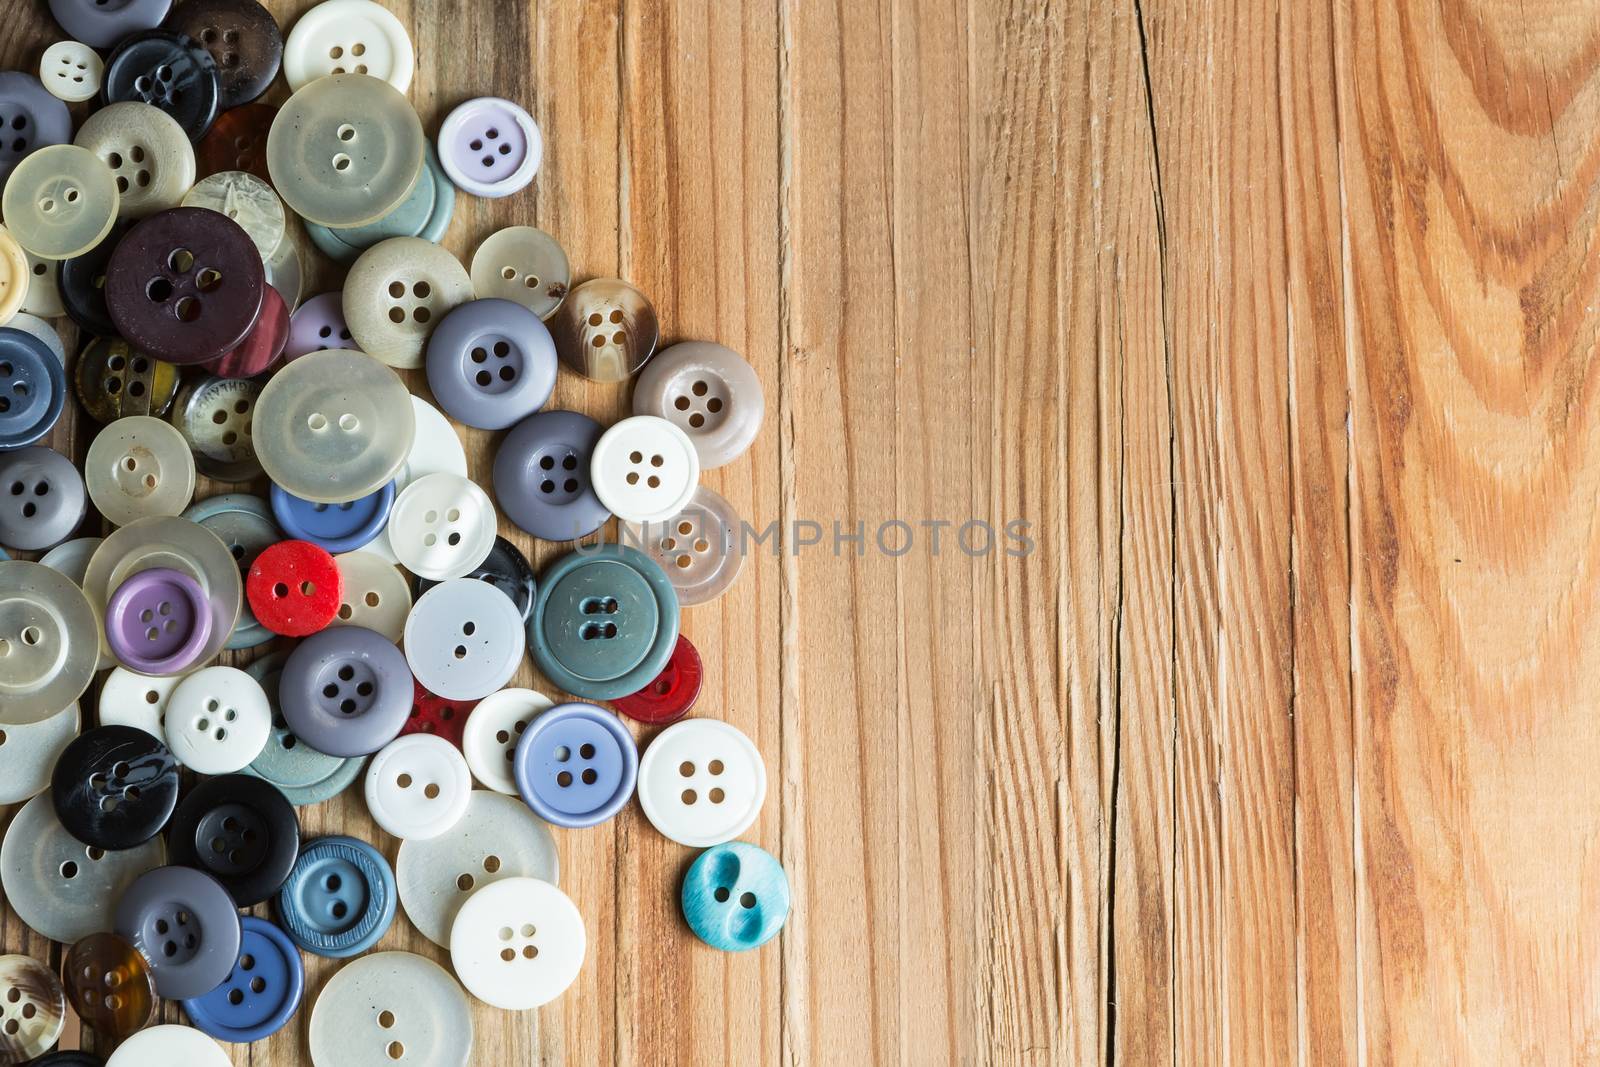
(260, 994)
(736, 897)
(335, 527)
(33, 388)
(576, 765)
(339, 899)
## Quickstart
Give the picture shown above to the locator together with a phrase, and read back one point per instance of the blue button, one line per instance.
(576, 765)
(33, 388)
(260, 994)
(335, 527)
(339, 899)
(736, 897)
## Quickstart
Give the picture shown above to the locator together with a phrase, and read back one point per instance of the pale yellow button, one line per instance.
(44, 298)
(397, 292)
(525, 265)
(15, 275)
(71, 71)
(137, 467)
(60, 201)
(147, 151)
(247, 200)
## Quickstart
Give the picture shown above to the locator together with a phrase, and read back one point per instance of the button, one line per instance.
(517, 943)
(168, 71)
(345, 691)
(397, 292)
(709, 393)
(490, 147)
(541, 476)
(525, 265)
(214, 416)
(33, 1008)
(114, 787)
(217, 720)
(14, 276)
(238, 141)
(463, 640)
(417, 787)
(244, 41)
(45, 627)
(44, 296)
(293, 588)
(317, 326)
(185, 285)
(605, 622)
(137, 467)
(644, 469)
(71, 558)
(60, 202)
(425, 213)
(168, 1044)
(37, 327)
(376, 595)
(261, 348)
(101, 25)
(148, 154)
(390, 1006)
(284, 274)
(339, 899)
(112, 380)
(497, 724)
(261, 993)
(110, 985)
(158, 622)
(333, 426)
(32, 116)
(442, 526)
(497, 837)
(672, 693)
(137, 700)
(345, 150)
(244, 525)
(701, 782)
(185, 924)
(576, 765)
(81, 280)
(248, 201)
(433, 714)
(33, 389)
(67, 1059)
(735, 897)
(71, 71)
(436, 449)
(605, 330)
(28, 753)
(335, 527)
(491, 363)
(42, 499)
(301, 773)
(241, 831)
(507, 569)
(700, 548)
(340, 36)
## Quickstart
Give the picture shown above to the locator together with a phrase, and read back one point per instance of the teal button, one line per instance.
(426, 213)
(605, 622)
(736, 897)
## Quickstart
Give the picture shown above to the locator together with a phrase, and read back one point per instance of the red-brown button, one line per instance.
(238, 141)
(294, 588)
(433, 714)
(263, 346)
(672, 693)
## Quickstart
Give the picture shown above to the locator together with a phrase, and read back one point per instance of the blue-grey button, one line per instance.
(102, 23)
(346, 691)
(33, 388)
(426, 213)
(491, 363)
(243, 523)
(42, 499)
(604, 623)
(184, 923)
(301, 773)
(576, 765)
(736, 897)
(541, 476)
(335, 527)
(339, 899)
(30, 117)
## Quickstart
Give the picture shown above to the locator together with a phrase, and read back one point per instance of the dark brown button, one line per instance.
(261, 349)
(241, 36)
(109, 984)
(185, 285)
(605, 330)
(238, 141)
(113, 380)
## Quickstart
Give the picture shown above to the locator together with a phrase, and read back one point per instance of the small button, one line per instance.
(605, 330)
(709, 393)
(241, 831)
(137, 700)
(243, 523)
(317, 326)
(262, 346)
(147, 152)
(425, 213)
(735, 897)
(701, 782)
(71, 71)
(33, 1008)
(644, 469)
(442, 526)
(158, 621)
(700, 548)
(389, 1006)
(397, 292)
(101, 25)
(340, 36)
(28, 753)
(339, 899)
(463, 639)
(433, 714)
(244, 41)
(525, 265)
(508, 570)
(493, 732)
(42, 499)
(376, 595)
(237, 141)
(217, 720)
(33, 119)
(436, 449)
(214, 416)
(517, 943)
(335, 527)
(248, 201)
(167, 71)
(541, 476)
(294, 588)
(491, 363)
(261, 993)
(345, 691)
(301, 773)
(112, 380)
(576, 765)
(417, 787)
(490, 147)
(137, 467)
(46, 623)
(43, 299)
(672, 693)
(110, 985)
(15, 275)
(168, 1044)
(33, 389)
(185, 924)
(115, 787)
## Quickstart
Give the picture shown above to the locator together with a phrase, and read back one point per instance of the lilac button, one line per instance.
(318, 325)
(491, 363)
(158, 621)
(541, 476)
(490, 147)
(576, 765)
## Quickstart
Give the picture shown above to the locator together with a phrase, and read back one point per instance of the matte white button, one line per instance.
(493, 730)
(139, 466)
(376, 595)
(517, 943)
(149, 155)
(442, 526)
(436, 449)
(701, 782)
(388, 1007)
(28, 753)
(218, 720)
(395, 294)
(418, 786)
(137, 700)
(169, 1045)
(71, 71)
(464, 639)
(644, 469)
(348, 36)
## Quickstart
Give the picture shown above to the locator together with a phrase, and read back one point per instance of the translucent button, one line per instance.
(60, 201)
(247, 200)
(700, 548)
(709, 393)
(525, 265)
(71, 71)
(137, 467)
(605, 330)
(214, 415)
(397, 292)
(47, 655)
(149, 155)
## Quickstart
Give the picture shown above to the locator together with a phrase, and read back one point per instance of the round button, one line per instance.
(525, 265)
(102, 24)
(605, 330)
(576, 765)
(389, 1006)
(672, 693)
(345, 691)
(114, 787)
(490, 147)
(33, 1008)
(517, 943)
(43, 298)
(60, 201)
(137, 467)
(495, 729)
(301, 773)
(158, 622)
(244, 41)
(701, 782)
(137, 700)
(285, 274)
(376, 595)
(185, 924)
(262, 346)
(442, 526)
(147, 152)
(507, 569)
(71, 71)
(71, 558)
(42, 499)
(335, 527)
(433, 714)
(644, 469)
(214, 416)
(33, 389)
(241, 831)
(217, 720)
(334, 426)
(261, 993)
(14, 276)
(709, 393)
(699, 548)
(247, 200)
(81, 282)
(244, 526)
(345, 150)
(32, 117)
(605, 622)
(339, 899)
(113, 381)
(36, 327)
(436, 449)
(168, 1044)
(45, 627)
(317, 326)
(397, 292)
(294, 588)
(491, 363)
(418, 786)
(338, 36)
(541, 476)
(167, 71)
(67, 1059)
(735, 897)
(463, 639)
(28, 753)
(110, 985)
(237, 141)
(426, 213)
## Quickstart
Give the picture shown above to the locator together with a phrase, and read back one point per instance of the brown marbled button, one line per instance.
(109, 984)
(112, 380)
(605, 330)
(33, 1008)
(241, 36)
(238, 141)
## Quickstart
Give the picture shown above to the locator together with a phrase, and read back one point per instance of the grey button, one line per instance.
(214, 415)
(244, 524)
(491, 363)
(709, 392)
(301, 773)
(33, 118)
(184, 923)
(699, 547)
(101, 24)
(541, 476)
(346, 691)
(42, 499)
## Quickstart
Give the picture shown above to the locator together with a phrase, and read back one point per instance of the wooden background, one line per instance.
(1277, 322)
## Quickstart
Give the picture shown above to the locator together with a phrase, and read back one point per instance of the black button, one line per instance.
(114, 787)
(67, 1059)
(507, 570)
(168, 71)
(240, 830)
(81, 281)
(243, 40)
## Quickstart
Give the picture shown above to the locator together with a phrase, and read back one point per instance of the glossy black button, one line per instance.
(240, 830)
(507, 570)
(243, 39)
(114, 787)
(112, 380)
(168, 71)
(81, 281)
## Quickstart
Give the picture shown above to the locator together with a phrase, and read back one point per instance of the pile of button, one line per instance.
(164, 230)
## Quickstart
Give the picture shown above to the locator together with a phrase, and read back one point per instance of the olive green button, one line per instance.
(114, 380)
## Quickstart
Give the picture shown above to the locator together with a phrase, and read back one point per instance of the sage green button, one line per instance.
(605, 622)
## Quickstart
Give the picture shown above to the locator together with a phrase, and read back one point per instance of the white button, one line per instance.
(418, 786)
(164, 1046)
(376, 594)
(644, 469)
(436, 449)
(442, 526)
(348, 37)
(493, 730)
(464, 639)
(388, 1007)
(218, 720)
(517, 943)
(28, 753)
(137, 700)
(701, 782)
(71, 71)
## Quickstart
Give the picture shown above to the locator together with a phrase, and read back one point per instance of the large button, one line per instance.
(442, 526)
(137, 700)
(158, 621)
(701, 782)
(345, 150)
(433, 714)
(33, 1008)
(334, 426)
(317, 326)
(214, 416)
(517, 943)
(397, 292)
(137, 467)
(46, 628)
(37, 327)
(490, 147)
(261, 993)
(102, 23)
(33, 388)
(217, 720)
(247, 200)
(497, 837)
(32, 119)
(294, 588)
(700, 548)
(168, 1044)
(110, 985)
(340, 36)
(391, 1006)
(507, 569)
(71, 558)
(60, 202)
(241, 831)
(115, 787)
(376, 595)
(339, 899)
(14, 276)
(301, 773)
(81, 282)
(576, 765)
(605, 622)
(262, 346)
(491, 363)
(417, 787)
(168, 71)
(243, 39)
(671, 694)
(185, 924)
(425, 213)
(709, 393)
(113, 381)
(463, 640)
(525, 265)
(735, 897)
(28, 753)
(244, 525)
(42, 499)
(436, 449)
(335, 527)
(644, 469)
(541, 476)
(494, 731)
(605, 330)
(71, 71)
(148, 153)
(345, 691)
(238, 141)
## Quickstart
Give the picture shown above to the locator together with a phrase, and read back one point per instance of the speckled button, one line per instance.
(238, 141)
(442, 526)
(541, 476)
(102, 24)
(148, 154)
(137, 700)
(15, 275)
(60, 201)
(240, 830)
(417, 787)
(71, 71)
(217, 720)
(426, 213)
(376, 595)
(137, 467)
(701, 548)
(113, 381)
(345, 691)
(214, 416)
(390, 1006)
(43, 298)
(525, 265)
(301, 773)
(701, 782)
(338, 36)
(709, 393)
(33, 389)
(114, 787)
(243, 523)
(110, 985)
(644, 469)
(31, 117)
(397, 292)
(490, 147)
(248, 201)
(28, 753)
(462, 639)
(491, 363)
(42, 499)
(605, 330)
(49, 656)
(496, 726)
(576, 765)
(168, 71)
(33, 1008)
(318, 326)
(261, 993)
(294, 588)
(735, 897)
(517, 943)
(168, 1044)
(185, 924)
(81, 283)
(335, 527)
(158, 622)
(243, 39)
(339, 899)
(505, 568)
(672, 693)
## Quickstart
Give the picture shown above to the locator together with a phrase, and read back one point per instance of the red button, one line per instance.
(673, 692)
(294, 588)
(264, 344)
(432, 714)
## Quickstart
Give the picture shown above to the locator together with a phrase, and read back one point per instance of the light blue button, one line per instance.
(576, 765)
(736, 897)
(426, 213)
(339, 899)
(334, 527)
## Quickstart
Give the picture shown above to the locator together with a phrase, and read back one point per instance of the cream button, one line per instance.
(517, 943)
(60, 201)
(395, 294)
(15, 276)
(418, 786)
(166, 1045)
(376, 595)
(644, 469)
(247, 200)
(348, 36)
(493, 729)
(442, 526)
(139, 466)
(524, 265)
(702, 782)
(149, 155)
(71, 71)
(47, 654)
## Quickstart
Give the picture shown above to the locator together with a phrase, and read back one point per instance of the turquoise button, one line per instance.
(736, 897)
(426, 213)
(605, 622)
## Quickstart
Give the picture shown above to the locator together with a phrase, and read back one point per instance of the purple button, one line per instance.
(318, 325)
(490, 147)
(158, 621)
(576, 765)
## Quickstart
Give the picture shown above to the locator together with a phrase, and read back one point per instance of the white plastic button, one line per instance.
(47, 653)
(167, 1045)
(395, 294)
(442, 526)
(436, 449)
(137, 700)
(15, 277)
(418, 786)
(644, 469)
(60, 201)
(247, 200)
(218, 720)
(517, 943)
(139, 466)
(464, 639)
(493, 730)
(28, 753)
(71, 71)
(348, 36)
(376, 594)
(490, 147)
(709, 392)
(149, 155)
(701, 782)
(525, 265)
(387, 1007)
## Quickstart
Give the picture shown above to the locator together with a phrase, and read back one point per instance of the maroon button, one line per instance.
(672, 693)
(294, 588)
(185, 285)
(265, 344)
(432, 714)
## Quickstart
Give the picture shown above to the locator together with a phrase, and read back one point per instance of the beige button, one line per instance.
(345, 150)
(15, 275)
(376, 595)
(147, 151)
(137, 467)
(46, 657)
(71, 71)
(522, 264)
(247, 200)
(43, 299)
(604, 330)
(397, 292)
(60, 201)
